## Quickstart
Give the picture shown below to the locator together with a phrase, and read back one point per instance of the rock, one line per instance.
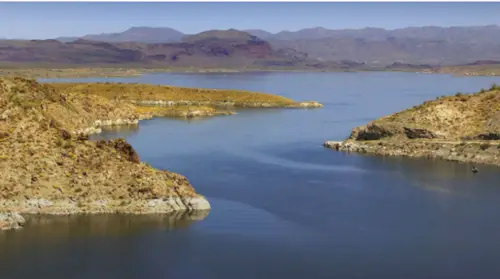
(347, 146)
(11, 220)
(417, 133)
(310, 104)
(374, 132)
(488, 136)
(65, 134)
(124, 147)
(333, 144)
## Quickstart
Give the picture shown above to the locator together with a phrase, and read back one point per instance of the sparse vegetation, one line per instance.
(120, 91)
(484, 146)
(462, 127)
(461, 115)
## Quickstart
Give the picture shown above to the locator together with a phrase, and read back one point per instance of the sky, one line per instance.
(37, 20)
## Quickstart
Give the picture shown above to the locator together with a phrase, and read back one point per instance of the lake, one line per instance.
(282, 205)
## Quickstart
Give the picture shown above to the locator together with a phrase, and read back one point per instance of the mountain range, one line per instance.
(317, 47)
(210, 49)
(377, 46)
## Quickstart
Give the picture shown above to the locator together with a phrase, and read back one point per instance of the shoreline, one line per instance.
(111, 72)
(477, 152)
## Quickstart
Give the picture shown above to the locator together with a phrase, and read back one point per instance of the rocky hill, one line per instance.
(464, 127)
(49, 166)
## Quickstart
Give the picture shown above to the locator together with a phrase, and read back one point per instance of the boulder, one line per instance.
(11, 220)
(374, 132)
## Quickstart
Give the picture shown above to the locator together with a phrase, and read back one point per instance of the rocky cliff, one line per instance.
(464, 127)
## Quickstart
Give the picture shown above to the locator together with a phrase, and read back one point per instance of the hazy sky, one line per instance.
(48, 20)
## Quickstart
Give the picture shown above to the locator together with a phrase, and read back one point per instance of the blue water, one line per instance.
(283, 206)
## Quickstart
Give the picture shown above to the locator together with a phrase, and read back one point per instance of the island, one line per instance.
(463, 127)
(49, 165)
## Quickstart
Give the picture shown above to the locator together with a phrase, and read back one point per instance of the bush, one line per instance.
(494, 86)
(59, 142)
(484, 146)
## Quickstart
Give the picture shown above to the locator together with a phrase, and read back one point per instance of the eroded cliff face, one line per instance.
(48, 168)
(464, 127)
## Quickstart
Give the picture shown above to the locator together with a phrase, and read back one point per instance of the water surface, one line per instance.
(283, 206)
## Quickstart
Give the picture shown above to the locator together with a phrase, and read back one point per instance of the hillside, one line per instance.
(46, 168)
(464, 127)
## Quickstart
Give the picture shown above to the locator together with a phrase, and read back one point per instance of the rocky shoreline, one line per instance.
(462, 128)
(71, 206)
(305, 104)
(466, 152)
(11, 220)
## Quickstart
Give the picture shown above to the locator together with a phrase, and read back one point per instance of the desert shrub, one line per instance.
(484, 146)
(68, 144)
(59, 142)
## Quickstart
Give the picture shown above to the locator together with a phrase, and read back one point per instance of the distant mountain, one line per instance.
(135, 34)
(373, 46)
(231, 34)
(210, 49)
(260, 33)
(390, 50)
(453, 34)
(419, 45)
(66, 39)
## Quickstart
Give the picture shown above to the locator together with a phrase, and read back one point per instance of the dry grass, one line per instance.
(170, 93)
(453, 116)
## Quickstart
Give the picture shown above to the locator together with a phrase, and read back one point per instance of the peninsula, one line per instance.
(464, 127)
(49, 166)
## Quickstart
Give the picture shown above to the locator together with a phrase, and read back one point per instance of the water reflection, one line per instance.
(436, 175)
(45, 228)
